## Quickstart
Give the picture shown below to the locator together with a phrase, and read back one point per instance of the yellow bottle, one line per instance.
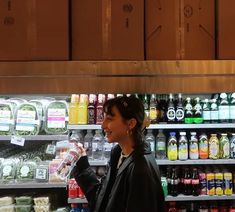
(82, 109)
(73, 109)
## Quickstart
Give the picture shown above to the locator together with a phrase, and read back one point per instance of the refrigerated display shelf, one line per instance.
(77, 200)
(199, 198)
(37, 137)
(195, 162)
(163, 126)
(32, 185)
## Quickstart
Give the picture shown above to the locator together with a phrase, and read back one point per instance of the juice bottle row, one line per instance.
(198, 181)
(191, 145)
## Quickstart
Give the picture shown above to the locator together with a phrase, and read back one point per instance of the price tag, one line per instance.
(51, 149)
(17, 140)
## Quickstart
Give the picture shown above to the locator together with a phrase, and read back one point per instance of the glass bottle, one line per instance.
(203, 146)
(223, 108)
(213, 147)
(193, 146)
(179, 114)
(153, 109)
(88, 143)
(91, 109)
(197, 112)
(224, 146)
(146, 105)
(183, 146)
(149, 138)
(172, 151)
(171, 110)
(195, 182)
(232, 108)
(214, 110)
(160, 145)
(188, 111)
(97, 145)
(232, 146)
(206, 112)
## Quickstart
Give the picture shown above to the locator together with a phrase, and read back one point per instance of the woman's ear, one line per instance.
(132, 123)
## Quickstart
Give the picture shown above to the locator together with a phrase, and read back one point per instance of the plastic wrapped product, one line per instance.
(42, 172)
(6, 201)
(6, 118)
(8, 208)
(56, 117)
(8, 171)
(23, 208)
(42, 208)
(25, 171)
(53, 177)
(40, 201)
(24, 200)
(27, 120)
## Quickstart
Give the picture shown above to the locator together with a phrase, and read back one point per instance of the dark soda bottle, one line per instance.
(171, 110)
(174, 182)
(91, 109)
(195, 182)
(179, 114)
(187, 182)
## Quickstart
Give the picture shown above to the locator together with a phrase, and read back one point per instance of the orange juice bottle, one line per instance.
(73, 109)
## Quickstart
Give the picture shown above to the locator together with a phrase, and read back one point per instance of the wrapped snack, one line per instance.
(8, 171)
(6, 118)
(26, 170)
(24, 200)
(8, 208)
(40, 201)
(56, 117)
(42, 208)
(23, 208)
(27, 120)
(6, 201)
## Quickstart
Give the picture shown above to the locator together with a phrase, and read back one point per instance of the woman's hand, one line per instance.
(81, 151)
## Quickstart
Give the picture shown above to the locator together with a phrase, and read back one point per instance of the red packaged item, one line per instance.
(73, 188)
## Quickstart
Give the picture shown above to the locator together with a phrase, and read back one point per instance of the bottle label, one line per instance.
(41, 174)
(171, 114)
(91, 116)
(195, 181)
(187, 181)
(215, 115)
(183, 151)
(226, 149)
(206, 115)
(213, 149)
(232, 111)
(179, 114)
(223, 112)
(153, 113)
(99, 116)
(175, 181)
(161, 145)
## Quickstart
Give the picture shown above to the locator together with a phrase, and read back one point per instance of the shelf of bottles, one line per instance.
(195, 162)
(32, 185)
(199, 198)
(37, 137)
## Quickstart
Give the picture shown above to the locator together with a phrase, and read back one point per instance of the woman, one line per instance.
(132, 183)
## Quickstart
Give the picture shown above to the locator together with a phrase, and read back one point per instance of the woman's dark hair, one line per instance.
(129, 107)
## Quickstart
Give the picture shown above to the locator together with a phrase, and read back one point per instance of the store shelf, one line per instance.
(199, 198)
(38, 137)
(32, 185)
(163, 126)
(98, 163)
(77, 200)
(191, 126)
(195, 162)
(84, 127)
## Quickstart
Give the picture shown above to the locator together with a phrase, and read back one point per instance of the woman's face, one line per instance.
(115, 127)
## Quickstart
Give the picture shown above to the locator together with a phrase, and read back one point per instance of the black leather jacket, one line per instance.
(134, 187)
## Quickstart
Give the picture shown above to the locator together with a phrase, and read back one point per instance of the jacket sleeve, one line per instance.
(86, 179)
(145, 191)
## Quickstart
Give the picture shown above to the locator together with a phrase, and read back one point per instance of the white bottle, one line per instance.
(149, 138)
(88, 143)
(97, 145)
(193, 147)
(183, 147)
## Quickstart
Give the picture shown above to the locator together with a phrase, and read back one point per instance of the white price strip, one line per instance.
(17, 140)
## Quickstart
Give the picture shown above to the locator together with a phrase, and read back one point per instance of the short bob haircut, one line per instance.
(129, 107)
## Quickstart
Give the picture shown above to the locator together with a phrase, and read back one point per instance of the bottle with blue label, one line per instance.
(193, 146)
(183, 146)
(172, 150)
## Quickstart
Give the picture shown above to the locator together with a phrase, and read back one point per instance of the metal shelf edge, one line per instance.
(195, 162)
(33, 185)
(199, 198)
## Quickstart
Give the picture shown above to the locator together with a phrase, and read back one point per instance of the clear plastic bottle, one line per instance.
(73, 109)
(193, 146)
(183, 146)
(82, 109)
(97, 145)
(172, 150)
(149, 138)
(107, 148)
(160, 145)
(88, 143)
(77, 137)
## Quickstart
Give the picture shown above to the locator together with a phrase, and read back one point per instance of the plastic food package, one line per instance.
(23, 208)
(42, 208)
(8, 170)
(6, 118)
(27, 120)
(56, 117)
(53, 177)
(6, 201)
(40, 201)
(24, 200)
(42, 172)
(8, 208)
(26, 170)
